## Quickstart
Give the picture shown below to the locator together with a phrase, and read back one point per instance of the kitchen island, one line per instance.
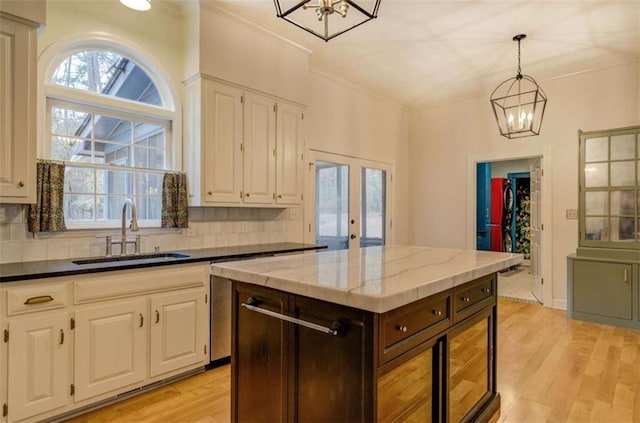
(391, 333)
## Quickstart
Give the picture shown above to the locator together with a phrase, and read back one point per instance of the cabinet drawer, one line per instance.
(475, 293)
(403, 328)
(48, 296)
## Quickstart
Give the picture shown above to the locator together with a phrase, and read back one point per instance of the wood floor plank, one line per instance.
(550, 369)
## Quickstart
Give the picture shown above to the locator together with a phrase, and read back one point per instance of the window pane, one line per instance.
(71, 149)
(79, 207)
(596, 149)
(149, 184)
(623, 173)
(332, 204)
(114, 182)
(623, 147)
(113, 129)
(372, 211)
(623, 203)
(596, 175)
(622, 229)
(596, 203)
(70, 122)
(141, 157)
(597, 228)
(108, 73)
(113, 153)
(79, 180)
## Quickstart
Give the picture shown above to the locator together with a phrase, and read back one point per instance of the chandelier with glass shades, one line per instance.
(519, 103)
(327, 19)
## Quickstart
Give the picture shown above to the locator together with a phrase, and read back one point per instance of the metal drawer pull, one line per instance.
(626, 275)
(466, 299)
(157, 316)
(437, 312)
(401, 328)
(61, 336)
(486, 290)
(38, 300)
(335, 329)
(141, 320)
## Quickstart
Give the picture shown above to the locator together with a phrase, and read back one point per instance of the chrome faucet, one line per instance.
(134, 227)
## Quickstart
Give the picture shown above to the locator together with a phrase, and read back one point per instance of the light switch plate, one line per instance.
(572, 214)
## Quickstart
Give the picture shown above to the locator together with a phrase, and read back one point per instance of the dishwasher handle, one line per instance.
(336, 328)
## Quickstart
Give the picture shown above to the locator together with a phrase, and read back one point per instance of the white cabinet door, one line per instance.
(289, 152)
(178, 331)
(110, 347)
(259, 149)
(39, 357)
(222, 143)
(17, 112)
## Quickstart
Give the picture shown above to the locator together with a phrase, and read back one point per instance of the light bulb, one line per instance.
(344, 7)
(141, 5)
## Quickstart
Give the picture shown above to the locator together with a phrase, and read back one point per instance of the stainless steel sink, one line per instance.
(150, 256)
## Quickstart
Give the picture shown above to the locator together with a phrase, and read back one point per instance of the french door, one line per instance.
(349, 201)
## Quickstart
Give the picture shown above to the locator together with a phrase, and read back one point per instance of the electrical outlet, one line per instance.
(244, 227)
(293, 214)
(572, 214)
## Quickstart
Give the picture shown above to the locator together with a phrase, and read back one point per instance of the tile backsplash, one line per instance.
(208, 227)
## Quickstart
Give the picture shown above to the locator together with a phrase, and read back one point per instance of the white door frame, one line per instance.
(546, 212)
(309, 230)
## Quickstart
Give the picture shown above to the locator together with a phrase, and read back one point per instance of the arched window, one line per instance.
(107, 119)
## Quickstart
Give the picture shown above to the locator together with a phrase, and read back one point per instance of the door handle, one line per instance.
(352, 236)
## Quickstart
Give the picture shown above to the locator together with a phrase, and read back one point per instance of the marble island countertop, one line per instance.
(376, 279)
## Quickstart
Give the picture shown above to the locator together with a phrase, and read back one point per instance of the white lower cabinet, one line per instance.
(110, 347)
(71, 342)
(178, 338)
(39, 356)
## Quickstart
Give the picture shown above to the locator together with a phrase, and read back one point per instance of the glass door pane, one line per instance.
(332, 205)
(372, 207)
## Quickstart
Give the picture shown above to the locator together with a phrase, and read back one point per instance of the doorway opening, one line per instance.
(508, 209)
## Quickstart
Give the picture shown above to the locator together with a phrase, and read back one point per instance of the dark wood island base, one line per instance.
(299, 359)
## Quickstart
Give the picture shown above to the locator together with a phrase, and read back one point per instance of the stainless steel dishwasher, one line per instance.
(220, 320)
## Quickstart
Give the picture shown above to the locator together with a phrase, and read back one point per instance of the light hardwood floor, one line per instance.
(550, 369)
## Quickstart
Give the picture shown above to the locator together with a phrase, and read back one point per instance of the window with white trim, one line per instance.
(107, 121)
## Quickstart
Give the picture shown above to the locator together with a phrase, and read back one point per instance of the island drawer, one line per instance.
(405, 327)
(472, 296)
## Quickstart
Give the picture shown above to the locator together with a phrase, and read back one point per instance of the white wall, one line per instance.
(501, 169)
(441, 144)
(235, 51)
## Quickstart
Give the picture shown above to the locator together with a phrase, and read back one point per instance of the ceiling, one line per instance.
(421, 52)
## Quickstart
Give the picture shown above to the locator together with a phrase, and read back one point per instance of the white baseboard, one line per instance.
(559, 304)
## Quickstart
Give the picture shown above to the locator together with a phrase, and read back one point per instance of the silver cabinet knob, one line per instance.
(402, 328)
(437, 312)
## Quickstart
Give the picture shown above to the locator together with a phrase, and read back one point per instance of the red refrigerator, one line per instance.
(501, 208)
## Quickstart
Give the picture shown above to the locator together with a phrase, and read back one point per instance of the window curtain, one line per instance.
(175, 212)
(47, 215)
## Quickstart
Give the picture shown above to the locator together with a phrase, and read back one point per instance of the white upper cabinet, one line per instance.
(17, 111)
(241, 148)
(290, 150)
(222, 144)
(259, 149)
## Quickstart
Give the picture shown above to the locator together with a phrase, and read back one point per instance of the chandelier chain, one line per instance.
(519, 70)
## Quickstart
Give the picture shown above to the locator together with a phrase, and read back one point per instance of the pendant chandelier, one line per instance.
(518, 104)
(327, 19)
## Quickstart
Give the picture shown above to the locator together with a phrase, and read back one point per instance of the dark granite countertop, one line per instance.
(10, 272)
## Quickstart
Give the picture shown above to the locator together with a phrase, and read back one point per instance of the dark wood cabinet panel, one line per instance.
(470, 380)
(333, 374)
(259, 358)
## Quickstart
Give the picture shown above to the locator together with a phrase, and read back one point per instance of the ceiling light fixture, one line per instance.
(141, 5)
(518, 104)
(314, 18)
